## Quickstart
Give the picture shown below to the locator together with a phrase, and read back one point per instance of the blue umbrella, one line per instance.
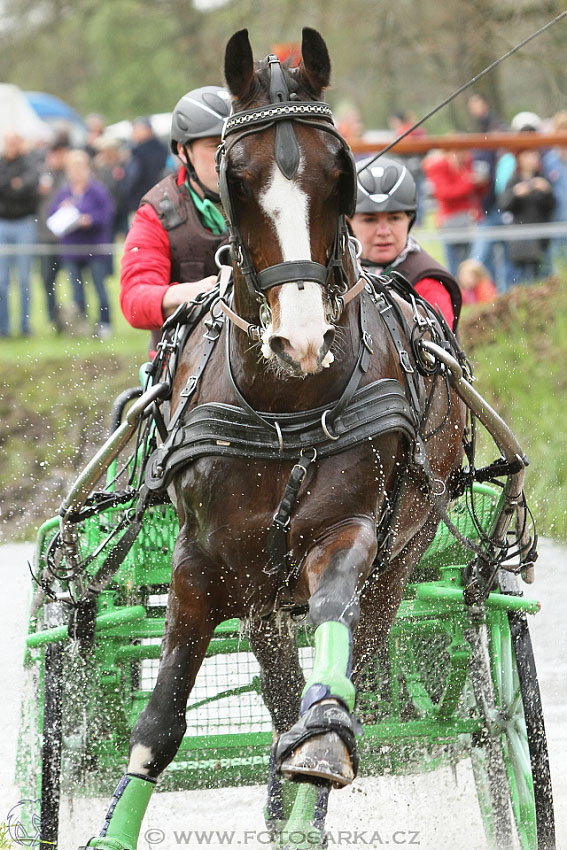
(50, 107)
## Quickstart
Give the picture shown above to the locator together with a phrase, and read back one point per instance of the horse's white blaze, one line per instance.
(287, 206)
(302, 311)
(139, 757)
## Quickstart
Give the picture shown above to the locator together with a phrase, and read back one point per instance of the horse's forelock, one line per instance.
(260, 93)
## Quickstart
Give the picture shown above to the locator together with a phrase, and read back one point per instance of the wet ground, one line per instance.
(436, 811)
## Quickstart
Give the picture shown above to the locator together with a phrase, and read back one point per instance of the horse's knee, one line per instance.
(155, 741)
(330, 604)
(336, 594)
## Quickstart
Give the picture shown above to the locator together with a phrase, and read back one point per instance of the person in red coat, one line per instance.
(457, 187)
(169, 252)
(386, 207)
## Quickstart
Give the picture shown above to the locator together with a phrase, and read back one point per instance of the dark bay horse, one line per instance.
(325, 354)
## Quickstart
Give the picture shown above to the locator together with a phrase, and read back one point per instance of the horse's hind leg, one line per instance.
(275, 648)
(160, 728)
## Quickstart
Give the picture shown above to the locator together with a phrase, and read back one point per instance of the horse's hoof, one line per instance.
(324, 757)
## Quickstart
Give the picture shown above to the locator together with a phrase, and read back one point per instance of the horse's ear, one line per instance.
(239, 64)
(315, 68)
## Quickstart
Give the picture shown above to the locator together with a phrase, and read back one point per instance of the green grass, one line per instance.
(58, 392)
(56, 397)
(519, 351)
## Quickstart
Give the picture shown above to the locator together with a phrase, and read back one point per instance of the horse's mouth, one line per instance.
(309, 366)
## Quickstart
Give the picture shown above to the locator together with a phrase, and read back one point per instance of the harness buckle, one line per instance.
(302, 470)
(189, 387)
(406, 362)
(281, 524)
(420, 320)
(368, 342)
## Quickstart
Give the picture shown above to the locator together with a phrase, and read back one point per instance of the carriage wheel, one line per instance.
(51, 745)
(511, 764)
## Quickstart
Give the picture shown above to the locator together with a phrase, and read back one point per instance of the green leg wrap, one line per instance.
(124, 818)
(331, 669)
(276, 821)
(299, 831)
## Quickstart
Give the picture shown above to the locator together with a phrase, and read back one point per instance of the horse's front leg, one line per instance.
(159, 730)
(321, 744)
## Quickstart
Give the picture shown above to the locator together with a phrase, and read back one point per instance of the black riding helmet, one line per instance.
(199, 114)
(385, 186)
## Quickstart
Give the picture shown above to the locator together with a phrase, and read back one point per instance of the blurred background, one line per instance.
(123, 58)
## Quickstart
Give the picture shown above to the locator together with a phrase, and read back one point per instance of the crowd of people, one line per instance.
(491, 188)
(70, 205)
(75, 203)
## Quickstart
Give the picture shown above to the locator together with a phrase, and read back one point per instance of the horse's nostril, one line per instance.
(328, 340)
(279, 345)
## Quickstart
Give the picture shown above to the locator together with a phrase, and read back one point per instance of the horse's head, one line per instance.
(287, 180)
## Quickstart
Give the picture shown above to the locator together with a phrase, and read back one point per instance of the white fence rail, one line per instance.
(499, 233)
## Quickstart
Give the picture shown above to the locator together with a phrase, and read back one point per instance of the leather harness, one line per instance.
(359, 414)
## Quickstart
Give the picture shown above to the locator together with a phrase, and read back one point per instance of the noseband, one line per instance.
(282, 112)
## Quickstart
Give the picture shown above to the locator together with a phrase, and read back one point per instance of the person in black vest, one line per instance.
(169, 252)
(385, 212)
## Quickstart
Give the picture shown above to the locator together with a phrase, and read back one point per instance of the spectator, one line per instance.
(555, 170)
(476, 285)
(457, 188)
(146, 165)
(488, 252)
(19, 199)
(528, 199)
(110, 168)
(386, 205)
(523, 122)
(95, 128)
(483, 118)
(51, 181)
(88, 202)
(399, 122)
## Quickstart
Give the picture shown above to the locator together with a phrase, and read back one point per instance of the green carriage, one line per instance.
(454, 682)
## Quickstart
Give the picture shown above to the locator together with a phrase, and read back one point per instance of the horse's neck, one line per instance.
(268, 391)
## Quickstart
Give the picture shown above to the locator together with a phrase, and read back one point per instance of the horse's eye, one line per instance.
(239, 187)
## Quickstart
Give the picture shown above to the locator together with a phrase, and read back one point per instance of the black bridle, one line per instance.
(282, 112)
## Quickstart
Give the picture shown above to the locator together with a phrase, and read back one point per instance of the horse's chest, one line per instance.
(230, 503)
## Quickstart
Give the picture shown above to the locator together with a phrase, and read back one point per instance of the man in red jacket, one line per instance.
(169, 252)
(386, 207)
(457, 184)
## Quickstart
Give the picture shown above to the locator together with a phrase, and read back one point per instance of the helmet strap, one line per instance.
(214, 197)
